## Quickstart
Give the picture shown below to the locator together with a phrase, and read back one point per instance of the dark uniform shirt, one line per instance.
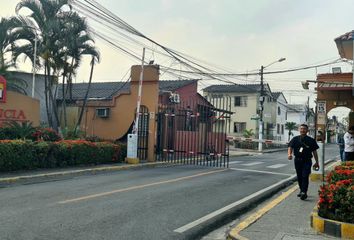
(303, 147)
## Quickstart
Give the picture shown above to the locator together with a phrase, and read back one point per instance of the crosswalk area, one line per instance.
(254, 163)
(272, 167)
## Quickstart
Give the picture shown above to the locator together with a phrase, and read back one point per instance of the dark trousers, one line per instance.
(303, 171)
(349, 156)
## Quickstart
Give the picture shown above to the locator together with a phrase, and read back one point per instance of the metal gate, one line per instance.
(143, 133)
(194, 132)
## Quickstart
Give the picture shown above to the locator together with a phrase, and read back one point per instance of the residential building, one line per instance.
(279, 116)
(105, 99)
(245, 105)
(297, 113)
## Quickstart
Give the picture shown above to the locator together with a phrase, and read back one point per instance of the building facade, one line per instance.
(245, 104)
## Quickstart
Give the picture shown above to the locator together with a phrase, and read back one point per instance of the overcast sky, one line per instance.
(238, 35)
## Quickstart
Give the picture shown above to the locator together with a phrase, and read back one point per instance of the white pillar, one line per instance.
(260, 136)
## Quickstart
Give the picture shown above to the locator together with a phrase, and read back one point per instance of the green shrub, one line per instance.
(93, 138)
(20, 154)
(16, 130)
(45, 134)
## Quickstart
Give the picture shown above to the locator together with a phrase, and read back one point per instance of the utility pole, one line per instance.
(261, 101)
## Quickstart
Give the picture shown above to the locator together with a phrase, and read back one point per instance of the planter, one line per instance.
(331, 227)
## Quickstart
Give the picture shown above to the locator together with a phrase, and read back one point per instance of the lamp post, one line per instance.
(261, 101)
(34, 65)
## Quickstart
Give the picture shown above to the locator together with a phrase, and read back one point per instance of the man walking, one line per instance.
(303, 147)
(349, 144)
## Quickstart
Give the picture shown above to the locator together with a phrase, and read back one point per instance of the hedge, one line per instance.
(22, 154)
(336, 200)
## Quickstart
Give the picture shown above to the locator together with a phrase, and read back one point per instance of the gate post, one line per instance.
(149, 99)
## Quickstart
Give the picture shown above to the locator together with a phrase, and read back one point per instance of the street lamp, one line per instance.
(36, 38)
(34, 64)
(261, 101)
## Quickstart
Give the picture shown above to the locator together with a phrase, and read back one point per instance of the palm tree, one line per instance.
(43, 23)
(62, 39)
(78, 43)
(290, 126)
(8, 37)
(247, 133)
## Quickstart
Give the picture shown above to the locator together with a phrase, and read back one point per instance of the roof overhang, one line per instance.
(334, 86)
(345, 45)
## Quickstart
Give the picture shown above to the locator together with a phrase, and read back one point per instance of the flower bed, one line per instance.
(336, 200)
(23, 154)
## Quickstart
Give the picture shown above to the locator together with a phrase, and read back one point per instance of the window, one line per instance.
(278, 128)
(279, 111)
(282, 129)
(239, 127)
(241, 101)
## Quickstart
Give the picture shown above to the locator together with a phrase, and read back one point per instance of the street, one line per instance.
(149, 203)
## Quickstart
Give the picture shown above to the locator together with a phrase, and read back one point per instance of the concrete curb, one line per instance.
(59, 174)
(240, 208)
(331, 227)
(259, 199)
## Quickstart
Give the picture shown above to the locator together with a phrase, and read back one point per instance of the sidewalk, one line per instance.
(285, 217)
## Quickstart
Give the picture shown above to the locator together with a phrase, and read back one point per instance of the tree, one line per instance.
(43, 24)
(78, 43)
(63, 39)
(290, 126)
(8, 38)
(248, 133)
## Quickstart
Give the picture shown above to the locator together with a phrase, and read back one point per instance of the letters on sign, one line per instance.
(12, 114)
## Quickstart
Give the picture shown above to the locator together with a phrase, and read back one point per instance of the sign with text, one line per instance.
(8, 115)
(321, 107)
(2, 89)
(321, 118)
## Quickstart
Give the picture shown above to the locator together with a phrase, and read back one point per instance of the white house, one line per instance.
(297, 113)
(245, 104)
(279, 113)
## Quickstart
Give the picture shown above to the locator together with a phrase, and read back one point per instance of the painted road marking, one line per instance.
(279, 165)
(254, 217)
(228, 207)
(251, 164)
(234, 162)
(259, 171)
(139, 187)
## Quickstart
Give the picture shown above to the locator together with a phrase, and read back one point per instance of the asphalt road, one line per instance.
(147, 203)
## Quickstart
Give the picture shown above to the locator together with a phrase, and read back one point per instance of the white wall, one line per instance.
(298, 118)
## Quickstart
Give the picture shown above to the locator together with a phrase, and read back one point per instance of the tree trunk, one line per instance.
(53, 102)
(49, 116)
(86, 96)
